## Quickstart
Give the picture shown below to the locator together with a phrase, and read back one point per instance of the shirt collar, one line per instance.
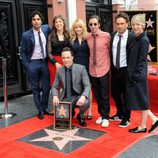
(36, 32)
(98, 33)
(70, 68)
(125, 34)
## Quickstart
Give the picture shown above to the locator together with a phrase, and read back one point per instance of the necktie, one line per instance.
(68, 85)
(41, 44)
(94, 50)
(118, 53)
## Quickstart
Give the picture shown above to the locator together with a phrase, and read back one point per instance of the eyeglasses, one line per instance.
(93, 24)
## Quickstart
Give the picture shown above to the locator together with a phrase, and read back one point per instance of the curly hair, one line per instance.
(73, 34)
(53, 36)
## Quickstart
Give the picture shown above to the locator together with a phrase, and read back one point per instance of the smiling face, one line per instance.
(137, 28)
(67, 58)
(94, 25)
(78, 30)
(36, 22)
(59, 24)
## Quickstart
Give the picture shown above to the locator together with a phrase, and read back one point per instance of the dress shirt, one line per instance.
(123, 53)
(102, 54)
(37, 50)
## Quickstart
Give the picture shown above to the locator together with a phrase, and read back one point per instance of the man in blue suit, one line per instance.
(34, 59)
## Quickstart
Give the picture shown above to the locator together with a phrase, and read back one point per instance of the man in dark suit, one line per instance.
(78, 85)
(121, 43)
(34, 60)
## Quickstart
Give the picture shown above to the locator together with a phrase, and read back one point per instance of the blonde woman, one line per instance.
(137, 82)
(80, 48)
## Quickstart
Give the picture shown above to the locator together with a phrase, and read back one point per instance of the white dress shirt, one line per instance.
(37, 50)
(123, 53)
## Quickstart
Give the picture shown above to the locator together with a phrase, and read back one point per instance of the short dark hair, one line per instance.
(122, 15)
(95, 17)
(65, 49)
(36, 12)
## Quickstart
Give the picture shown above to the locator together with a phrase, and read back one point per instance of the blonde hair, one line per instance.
(73, 34)
(138, 18)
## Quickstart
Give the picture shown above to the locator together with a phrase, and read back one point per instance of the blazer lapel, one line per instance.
(32, 37)
(73, 73)
(44, 31)
(63, 76)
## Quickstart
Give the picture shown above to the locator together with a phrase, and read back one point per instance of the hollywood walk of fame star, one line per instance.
(62, 111)
(151, 47)
(65, 136)
(150, 23)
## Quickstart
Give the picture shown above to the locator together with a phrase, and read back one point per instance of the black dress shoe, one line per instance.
(89, 117)
(153, 126)
(48, 112)
(81, 120)
(41, 115)
(136, 130)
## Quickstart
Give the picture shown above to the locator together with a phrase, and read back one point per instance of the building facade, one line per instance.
(14, 19)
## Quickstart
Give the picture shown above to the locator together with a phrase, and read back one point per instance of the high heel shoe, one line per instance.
(153, 126)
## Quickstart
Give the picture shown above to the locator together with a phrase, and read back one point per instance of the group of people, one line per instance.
(73, 61)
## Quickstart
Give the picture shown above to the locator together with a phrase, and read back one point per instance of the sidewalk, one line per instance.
(24, 108)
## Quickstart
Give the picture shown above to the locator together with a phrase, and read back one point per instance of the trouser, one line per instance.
(83, 108)
(101, 92)
(118, 88)
(39, 75)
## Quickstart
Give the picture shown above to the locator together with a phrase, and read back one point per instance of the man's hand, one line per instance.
(81, 101)
(55, 100)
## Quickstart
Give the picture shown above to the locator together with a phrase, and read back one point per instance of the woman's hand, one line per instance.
(58, 66)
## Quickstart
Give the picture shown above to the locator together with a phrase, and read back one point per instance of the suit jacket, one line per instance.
(129, 45)
(80, 81)
(28, 43)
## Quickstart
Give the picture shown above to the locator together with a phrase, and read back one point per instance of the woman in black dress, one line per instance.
(57, 40)
(80, 48)
(137, 82)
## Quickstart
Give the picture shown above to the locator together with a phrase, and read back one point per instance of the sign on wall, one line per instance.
(151, 29)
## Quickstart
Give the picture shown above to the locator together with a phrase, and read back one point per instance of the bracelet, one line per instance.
(53, 61)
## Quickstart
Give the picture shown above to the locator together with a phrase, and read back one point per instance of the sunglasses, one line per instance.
(91, 24)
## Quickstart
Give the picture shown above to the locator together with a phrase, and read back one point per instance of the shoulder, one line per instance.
(78, 66)
(45, 27)
(89, 35)
(104, 34)
(112, 34)
(144, 39)
(131, 34)
(27, 33)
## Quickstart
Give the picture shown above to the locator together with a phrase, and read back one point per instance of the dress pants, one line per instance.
(101, 92)
(39, 76)
(83, 108)
(118, 89)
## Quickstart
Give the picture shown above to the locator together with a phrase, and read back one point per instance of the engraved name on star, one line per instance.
(66, 136)
(150, 23)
